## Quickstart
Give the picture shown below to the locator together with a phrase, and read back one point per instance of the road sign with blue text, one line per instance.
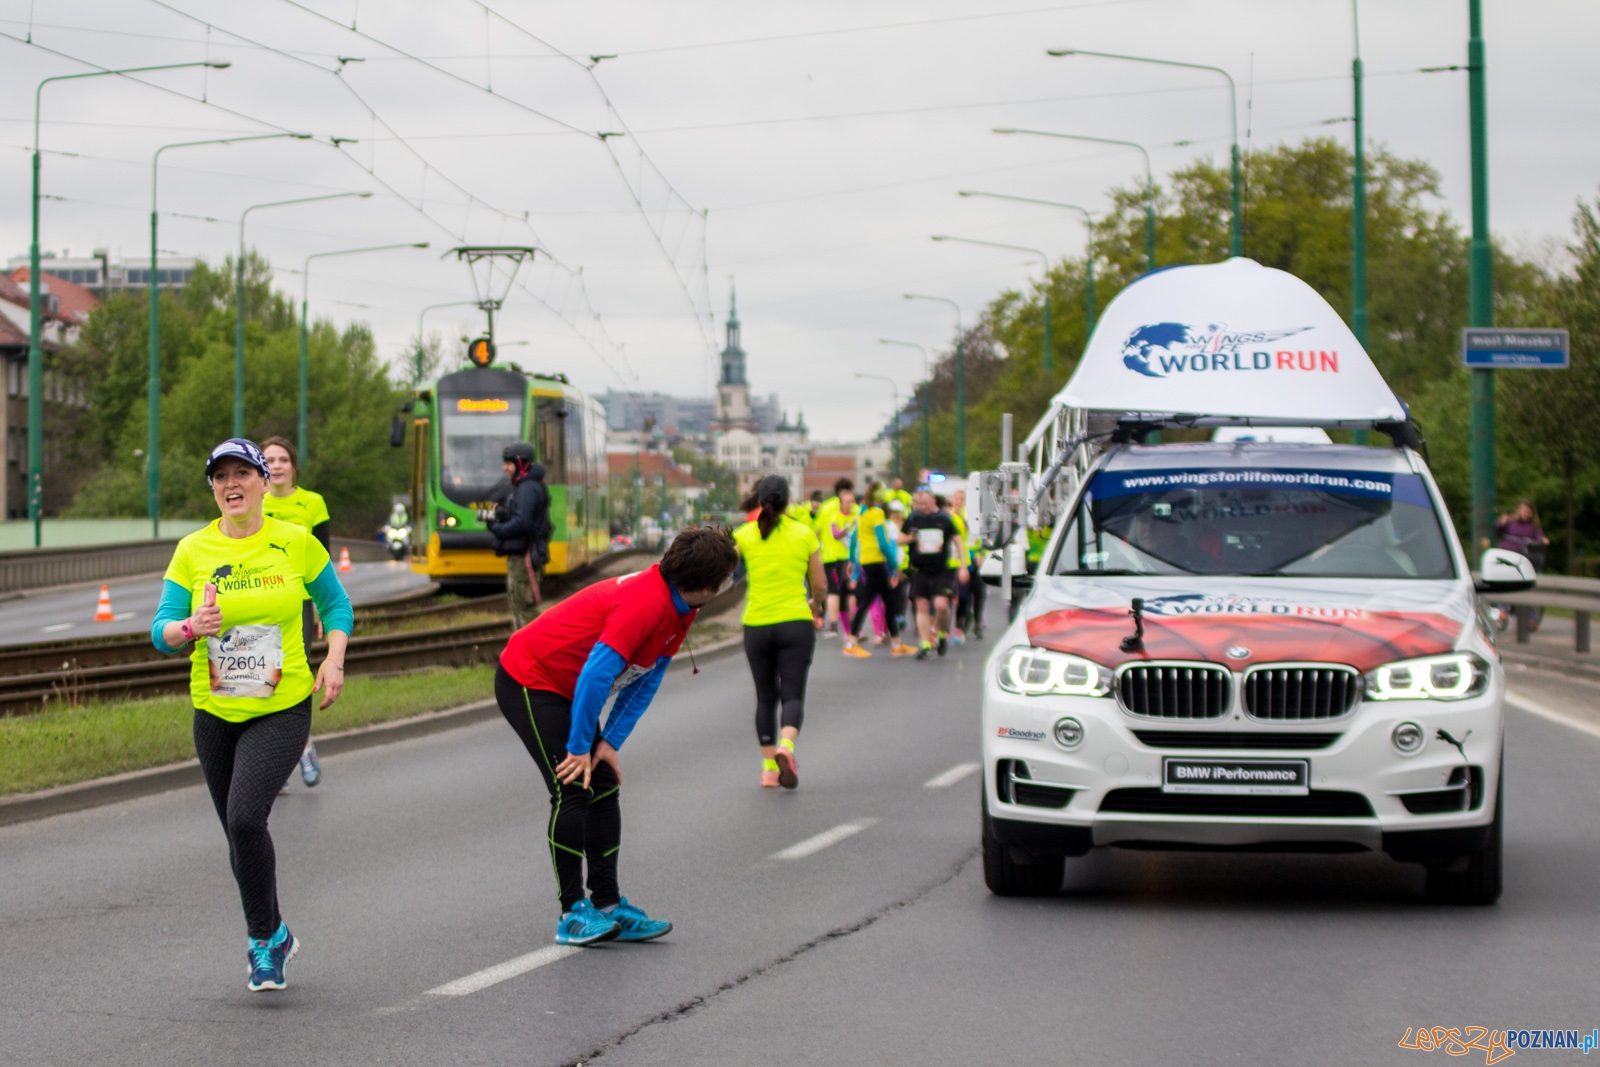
(1538, 349)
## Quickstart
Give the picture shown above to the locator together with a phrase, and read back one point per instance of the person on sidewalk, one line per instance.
(290, 501)
(784, 594)
(233, 590)
(554, 677)
(521, 529)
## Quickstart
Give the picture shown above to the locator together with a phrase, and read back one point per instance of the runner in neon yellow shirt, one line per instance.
(234, 590)
(781, 559)
(289, 501)
(836, 522)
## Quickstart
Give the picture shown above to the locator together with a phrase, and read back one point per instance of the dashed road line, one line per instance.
(812, 845)
(501, 972)
(951, 777)
(1533, 707)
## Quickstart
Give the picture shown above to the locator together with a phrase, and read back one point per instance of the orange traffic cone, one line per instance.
(344, 559)
(102, 610)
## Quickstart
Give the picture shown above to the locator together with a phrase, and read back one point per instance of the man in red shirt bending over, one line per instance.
(616, 636)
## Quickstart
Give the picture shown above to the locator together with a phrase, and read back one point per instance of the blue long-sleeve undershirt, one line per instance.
(600, 673)
(333, 606)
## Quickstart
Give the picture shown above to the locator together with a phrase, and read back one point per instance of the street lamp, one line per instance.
(1233, 116)
(1149, 185)
(927, 383)
(1088, 229)
(1049, 330)
(961, 379)
(1358, 200)
(35, 349)
(153, 404)
(895, 388)
(424, 314)
(238, 299)
(305, 312)
(1480, 285)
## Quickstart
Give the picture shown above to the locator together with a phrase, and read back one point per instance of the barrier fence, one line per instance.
(35, 568)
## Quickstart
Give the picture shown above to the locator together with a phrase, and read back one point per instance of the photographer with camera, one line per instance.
(521, 529)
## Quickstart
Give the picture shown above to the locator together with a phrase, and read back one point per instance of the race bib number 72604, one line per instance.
(246, 661)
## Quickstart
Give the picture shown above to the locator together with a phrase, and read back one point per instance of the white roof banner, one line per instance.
(1232, 340)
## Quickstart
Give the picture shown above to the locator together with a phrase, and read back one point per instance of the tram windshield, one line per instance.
(475, 431)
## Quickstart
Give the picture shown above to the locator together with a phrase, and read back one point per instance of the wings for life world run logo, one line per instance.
(1164, 348)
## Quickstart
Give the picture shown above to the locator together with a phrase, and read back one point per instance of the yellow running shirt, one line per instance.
(301, 507)
(962, 556)
(775, 571)
(257, 665)
(867, 535)
(834, 548)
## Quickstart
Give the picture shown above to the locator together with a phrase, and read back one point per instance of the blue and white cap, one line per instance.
(238, 448)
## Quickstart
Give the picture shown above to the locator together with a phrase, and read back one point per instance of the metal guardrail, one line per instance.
(35, 568)
(1581, 596)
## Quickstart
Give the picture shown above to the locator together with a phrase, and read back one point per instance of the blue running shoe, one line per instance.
(310, 767)
(635, 924)
(267, 959)
(586, 925)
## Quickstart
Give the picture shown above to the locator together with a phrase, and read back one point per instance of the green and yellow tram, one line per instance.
(461, 423)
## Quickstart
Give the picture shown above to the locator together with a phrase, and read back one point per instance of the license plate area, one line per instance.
(1237, 777)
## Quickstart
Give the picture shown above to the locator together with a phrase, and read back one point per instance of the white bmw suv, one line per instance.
(1244, 646)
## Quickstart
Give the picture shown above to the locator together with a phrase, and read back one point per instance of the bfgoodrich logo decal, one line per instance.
(1164, 348)
(1021, 735)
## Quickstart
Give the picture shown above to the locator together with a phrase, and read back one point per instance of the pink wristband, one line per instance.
(188, 632)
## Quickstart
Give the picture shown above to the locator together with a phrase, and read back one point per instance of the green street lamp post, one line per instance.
(424, 314)
(1358, 200)
(1481, 286)
(238, 329)
(305, 313)
(926, 382)
(961, 380)
(35, 307)
(1233, 117)
(1088, 256)
(1049, 330)
(895, 389)
(1149, 187)
(153, 403)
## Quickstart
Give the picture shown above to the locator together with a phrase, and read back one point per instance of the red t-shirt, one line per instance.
(634, 615)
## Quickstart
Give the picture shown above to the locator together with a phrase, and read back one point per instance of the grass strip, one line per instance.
(67, 745)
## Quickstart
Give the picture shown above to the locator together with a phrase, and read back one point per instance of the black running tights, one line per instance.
(874, 583)
(585, 824)
(245, 764)
(780, 657)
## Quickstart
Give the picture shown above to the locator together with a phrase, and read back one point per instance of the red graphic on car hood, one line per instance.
(1362, 639)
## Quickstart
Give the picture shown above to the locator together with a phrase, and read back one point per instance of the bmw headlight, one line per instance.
(1455, 676)
(1038, 671)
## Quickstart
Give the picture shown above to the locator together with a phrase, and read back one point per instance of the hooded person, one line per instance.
(521, 530)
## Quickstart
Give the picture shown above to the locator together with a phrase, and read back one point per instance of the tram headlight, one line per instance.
(447, 520)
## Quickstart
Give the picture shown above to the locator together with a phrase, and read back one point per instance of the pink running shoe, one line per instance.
(788, 768)
(769, 779)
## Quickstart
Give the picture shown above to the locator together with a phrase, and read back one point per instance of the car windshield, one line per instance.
(476, 430)
(1266, 521)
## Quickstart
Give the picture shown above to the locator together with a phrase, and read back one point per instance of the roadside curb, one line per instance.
(148, 782)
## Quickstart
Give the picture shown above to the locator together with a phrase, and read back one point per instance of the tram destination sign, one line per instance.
(1538, 349)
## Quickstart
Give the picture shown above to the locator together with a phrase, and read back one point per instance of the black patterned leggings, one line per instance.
(245, 764)
(585, 824)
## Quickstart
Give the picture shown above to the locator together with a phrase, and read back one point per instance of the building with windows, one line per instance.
(102, 275)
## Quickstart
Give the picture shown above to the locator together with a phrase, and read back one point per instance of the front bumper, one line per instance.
(1111, 781)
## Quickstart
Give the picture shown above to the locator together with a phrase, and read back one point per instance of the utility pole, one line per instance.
(1481, 287)
(1358, 202)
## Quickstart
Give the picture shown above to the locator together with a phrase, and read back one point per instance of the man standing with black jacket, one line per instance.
(521, 529)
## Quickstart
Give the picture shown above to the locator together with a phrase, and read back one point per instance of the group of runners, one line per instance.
(249, 593)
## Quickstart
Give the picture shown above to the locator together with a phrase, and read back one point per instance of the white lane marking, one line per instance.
(1533, 707)
(812, 845)
(500, 972)
(57, 628)
(951, 777)
(119, 616)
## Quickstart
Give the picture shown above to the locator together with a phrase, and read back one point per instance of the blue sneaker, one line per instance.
(635, 924)
(310, 767)
(267, 959)
(586, 925)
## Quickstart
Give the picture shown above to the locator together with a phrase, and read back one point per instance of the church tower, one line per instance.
(733, 391)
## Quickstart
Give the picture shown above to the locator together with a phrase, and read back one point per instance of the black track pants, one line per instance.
(245, 764)
(980, 596)
(874, 583)
(780, 657)
(584, 823)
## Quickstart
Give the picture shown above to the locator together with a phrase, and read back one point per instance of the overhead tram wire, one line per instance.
(588, 315)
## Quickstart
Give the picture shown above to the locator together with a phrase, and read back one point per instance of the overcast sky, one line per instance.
(807, 151)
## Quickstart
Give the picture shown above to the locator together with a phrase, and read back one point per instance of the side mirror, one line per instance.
(397, 432)
(1503, 571)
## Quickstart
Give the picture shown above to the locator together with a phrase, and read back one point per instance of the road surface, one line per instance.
(69, 613)
(844, 923)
